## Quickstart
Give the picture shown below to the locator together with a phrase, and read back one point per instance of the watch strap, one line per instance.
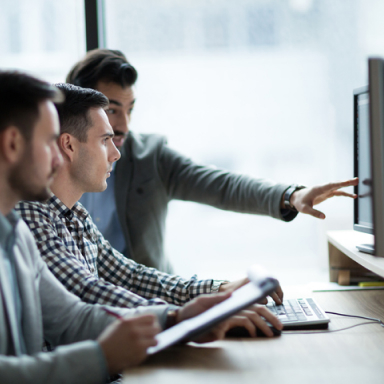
(288, 194)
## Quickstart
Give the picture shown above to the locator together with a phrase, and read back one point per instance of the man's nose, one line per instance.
(114, 153)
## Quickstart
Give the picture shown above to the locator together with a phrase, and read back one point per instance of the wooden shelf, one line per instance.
(346, 262)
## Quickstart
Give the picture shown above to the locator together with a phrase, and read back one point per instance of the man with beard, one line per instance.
(90, 343)
(70, 243)
(131, 213)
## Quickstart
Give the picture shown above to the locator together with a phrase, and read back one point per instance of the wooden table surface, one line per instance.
(352, 356)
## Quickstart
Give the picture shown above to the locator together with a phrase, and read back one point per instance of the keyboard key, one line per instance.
(272, 309)
(315, 309)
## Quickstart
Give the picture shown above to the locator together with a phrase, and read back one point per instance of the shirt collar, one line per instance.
(80, 211)
(7, 227)
(63, 211)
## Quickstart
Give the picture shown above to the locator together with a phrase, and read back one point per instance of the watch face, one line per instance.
(171, 319)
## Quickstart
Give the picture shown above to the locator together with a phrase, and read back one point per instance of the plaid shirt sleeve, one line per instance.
(72, 271)
(144, 281)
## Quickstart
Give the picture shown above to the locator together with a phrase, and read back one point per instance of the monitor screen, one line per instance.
(376, 125)
(363, 220)
(369, 157)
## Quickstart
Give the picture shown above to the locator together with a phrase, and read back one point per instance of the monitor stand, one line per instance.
(366, 248)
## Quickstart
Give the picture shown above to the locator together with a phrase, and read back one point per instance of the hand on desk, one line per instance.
(254, 318)
(251, 318)
(304, 199)
(125, 341)
(277, 296)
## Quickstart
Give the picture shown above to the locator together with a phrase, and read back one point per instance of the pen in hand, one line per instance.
(114, 314)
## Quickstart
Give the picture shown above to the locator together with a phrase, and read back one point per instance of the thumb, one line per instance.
(313, 212)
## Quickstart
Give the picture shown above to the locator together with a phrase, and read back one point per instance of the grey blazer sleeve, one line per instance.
(50, 311)
(186, 180)
(72, 364)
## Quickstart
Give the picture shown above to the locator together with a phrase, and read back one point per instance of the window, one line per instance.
(43, 37)
(261, 87)
(257, 87)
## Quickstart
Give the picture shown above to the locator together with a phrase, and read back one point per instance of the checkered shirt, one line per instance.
(87, 265)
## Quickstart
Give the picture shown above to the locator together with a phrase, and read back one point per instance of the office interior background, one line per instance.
(261, 87)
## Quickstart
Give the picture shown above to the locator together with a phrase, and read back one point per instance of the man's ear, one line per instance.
(12, 144)
(68, 146)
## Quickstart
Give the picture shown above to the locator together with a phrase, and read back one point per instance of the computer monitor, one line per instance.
(376, 117)
(363, 220)
(369, 158)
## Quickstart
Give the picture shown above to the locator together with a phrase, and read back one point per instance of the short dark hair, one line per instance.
(20, 96)
(102, 65)
(74, 111)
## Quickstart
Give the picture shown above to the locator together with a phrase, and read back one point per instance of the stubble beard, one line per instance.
(23, 180)
(83, 174)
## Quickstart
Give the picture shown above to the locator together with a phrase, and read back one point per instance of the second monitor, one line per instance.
(369, 158)
(362, 214)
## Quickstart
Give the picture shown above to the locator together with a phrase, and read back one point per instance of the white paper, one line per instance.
(239, 299)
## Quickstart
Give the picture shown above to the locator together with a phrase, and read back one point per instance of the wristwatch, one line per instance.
(171, 318)
(288, 194)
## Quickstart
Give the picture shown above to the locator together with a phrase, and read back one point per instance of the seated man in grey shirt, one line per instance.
(131, 213)
(33, 304)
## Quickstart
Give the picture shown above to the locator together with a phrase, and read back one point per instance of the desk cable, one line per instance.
(372, 321)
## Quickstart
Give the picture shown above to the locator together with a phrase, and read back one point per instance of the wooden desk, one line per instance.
(354, 356)
(347, 263)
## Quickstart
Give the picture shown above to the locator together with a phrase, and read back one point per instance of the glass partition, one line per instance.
(256, 87)
(43, 37)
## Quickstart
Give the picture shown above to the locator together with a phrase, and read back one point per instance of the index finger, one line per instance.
(279, 292)
(276, 298)
(341, 184)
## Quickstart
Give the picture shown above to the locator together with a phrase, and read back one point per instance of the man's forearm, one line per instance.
(80, 363)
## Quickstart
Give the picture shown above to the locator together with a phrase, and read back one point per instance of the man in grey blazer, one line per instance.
(90, 343)
(131, 213)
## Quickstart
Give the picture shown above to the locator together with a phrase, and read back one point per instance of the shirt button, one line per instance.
(140, 191)
(97, 219)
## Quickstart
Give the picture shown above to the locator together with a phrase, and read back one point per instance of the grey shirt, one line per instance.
(7, 242)
(50, 312)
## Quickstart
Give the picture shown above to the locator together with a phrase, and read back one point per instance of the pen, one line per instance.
(371, 284)
(114, 314)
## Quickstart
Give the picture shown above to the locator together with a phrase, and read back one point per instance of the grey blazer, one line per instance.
(49, 311)
(150, 174)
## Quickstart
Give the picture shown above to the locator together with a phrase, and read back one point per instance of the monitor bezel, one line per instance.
(356, 226)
